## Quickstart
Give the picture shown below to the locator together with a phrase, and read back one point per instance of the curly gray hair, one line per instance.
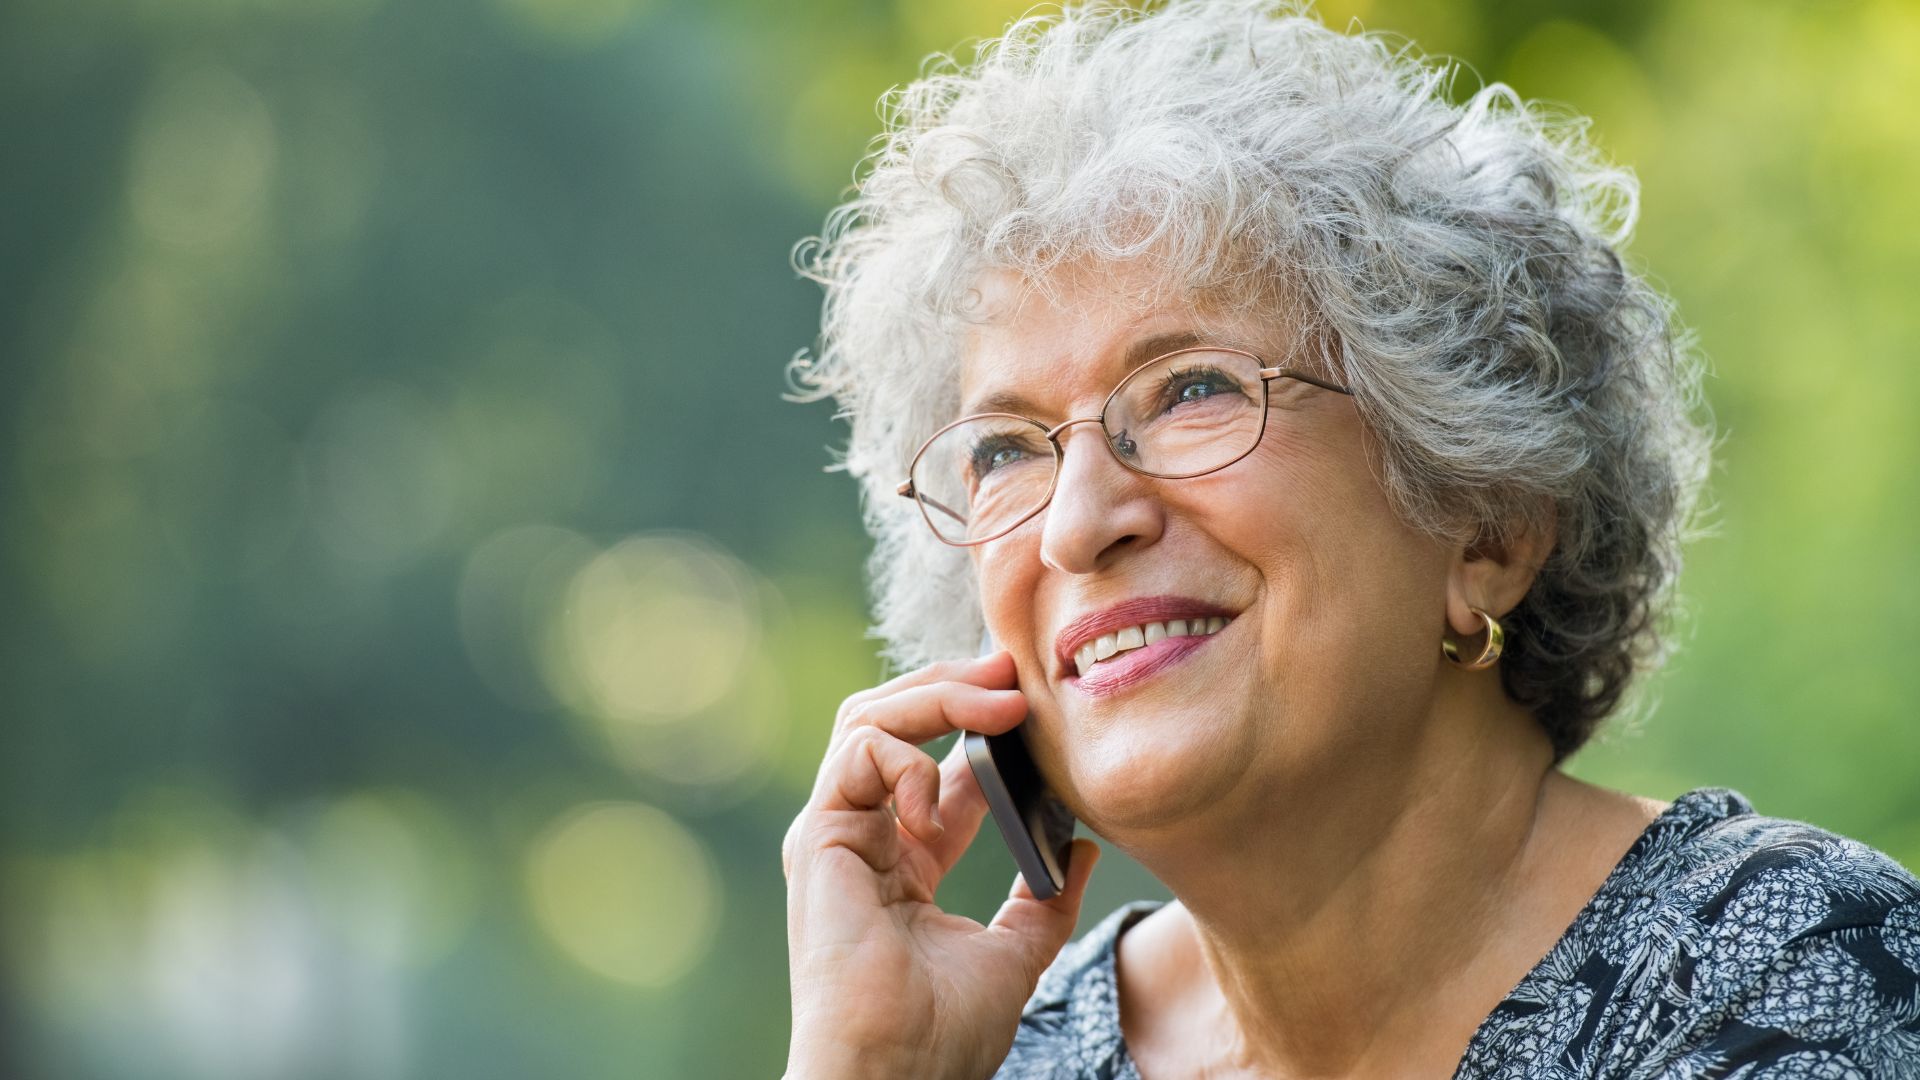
(1459, 263)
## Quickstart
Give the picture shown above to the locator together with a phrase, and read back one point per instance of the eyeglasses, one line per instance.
(1182, 414)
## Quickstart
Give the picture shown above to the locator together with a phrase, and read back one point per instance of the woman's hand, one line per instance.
(884, 982)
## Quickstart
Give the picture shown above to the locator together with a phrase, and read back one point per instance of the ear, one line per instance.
(1495, 569)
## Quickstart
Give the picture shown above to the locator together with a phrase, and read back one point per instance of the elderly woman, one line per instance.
(1319, 469)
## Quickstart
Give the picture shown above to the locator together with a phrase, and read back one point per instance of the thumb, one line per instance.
(1038, 928)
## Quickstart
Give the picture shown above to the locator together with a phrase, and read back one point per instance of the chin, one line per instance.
(1129, 776)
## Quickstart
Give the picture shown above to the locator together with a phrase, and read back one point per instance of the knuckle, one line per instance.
(843, 716)
(857, 715)
(807, 833)
(870, 738)
(856, 832)
(847, 758)
(856, 766)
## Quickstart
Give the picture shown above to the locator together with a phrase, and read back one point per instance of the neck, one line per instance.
(1333, 935)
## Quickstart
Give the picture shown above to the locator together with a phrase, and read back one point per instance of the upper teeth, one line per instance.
(1133, 637)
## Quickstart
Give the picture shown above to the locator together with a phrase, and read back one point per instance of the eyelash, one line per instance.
(1177, 377)
(982, 454)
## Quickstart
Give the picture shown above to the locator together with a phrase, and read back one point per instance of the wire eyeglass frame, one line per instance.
(1267, 376)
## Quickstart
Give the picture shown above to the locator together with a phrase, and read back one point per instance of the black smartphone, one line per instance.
(1035, 824)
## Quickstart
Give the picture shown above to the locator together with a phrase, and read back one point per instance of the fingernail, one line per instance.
(939, 825)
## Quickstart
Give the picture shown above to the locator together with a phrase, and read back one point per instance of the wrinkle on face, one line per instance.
(1320, 673)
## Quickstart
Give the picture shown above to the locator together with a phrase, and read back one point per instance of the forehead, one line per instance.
(1076, 337)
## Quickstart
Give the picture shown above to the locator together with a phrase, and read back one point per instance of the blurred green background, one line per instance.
(423, 615)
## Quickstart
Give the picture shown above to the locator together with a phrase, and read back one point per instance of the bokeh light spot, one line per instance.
(514, 583)
(539, 398)
(184, 943)
(203, 156)
(392, 874)
(718, 755)
(655, 627)
(625, 891)
(149, 324)
(231, 962)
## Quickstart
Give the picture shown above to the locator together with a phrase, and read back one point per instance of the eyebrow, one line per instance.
(1138, 353)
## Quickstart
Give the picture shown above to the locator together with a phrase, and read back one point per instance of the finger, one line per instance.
(922, 713)
(994, 671)
(962, 807)
(873, 836)
(1038, 928)
(870, 768)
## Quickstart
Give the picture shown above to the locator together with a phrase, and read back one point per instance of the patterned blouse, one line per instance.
(1722, 945)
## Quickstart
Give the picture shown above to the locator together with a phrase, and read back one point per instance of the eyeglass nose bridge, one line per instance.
(1060, 451)
(1053, 436)
(1053, 433)
(1059, 461)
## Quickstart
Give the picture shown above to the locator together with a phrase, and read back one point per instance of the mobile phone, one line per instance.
(1035, 825)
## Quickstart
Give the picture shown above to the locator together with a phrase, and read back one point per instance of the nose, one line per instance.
(1100, 508)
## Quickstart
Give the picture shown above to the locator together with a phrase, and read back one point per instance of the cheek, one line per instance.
(1276, 509)
(1326, 496)
(1004, 576)
(1346, 582)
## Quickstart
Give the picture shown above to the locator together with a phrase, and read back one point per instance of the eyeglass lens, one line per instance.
(1183, 414)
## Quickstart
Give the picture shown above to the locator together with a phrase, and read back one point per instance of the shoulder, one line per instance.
(1710, 859)
(1750, 886)
(1071, 1025)
(1803, 955)
(1726, 937)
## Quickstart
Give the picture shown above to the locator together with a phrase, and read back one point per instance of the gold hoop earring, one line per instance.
(1496, 640)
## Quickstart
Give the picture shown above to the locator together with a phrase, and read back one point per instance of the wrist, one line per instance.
(837, 1061)
(818, 1068)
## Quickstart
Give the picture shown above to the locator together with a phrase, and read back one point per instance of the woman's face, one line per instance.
(1335, 608)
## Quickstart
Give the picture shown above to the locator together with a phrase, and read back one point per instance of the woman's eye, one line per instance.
(1189, 388)
(991, 456)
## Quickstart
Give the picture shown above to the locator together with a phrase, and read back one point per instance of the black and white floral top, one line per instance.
(1722, 945)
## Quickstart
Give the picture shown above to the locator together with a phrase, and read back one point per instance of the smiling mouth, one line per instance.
(1095, 654)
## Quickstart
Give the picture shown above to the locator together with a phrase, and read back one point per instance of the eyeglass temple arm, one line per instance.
(906, 489)
(1268, 373)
